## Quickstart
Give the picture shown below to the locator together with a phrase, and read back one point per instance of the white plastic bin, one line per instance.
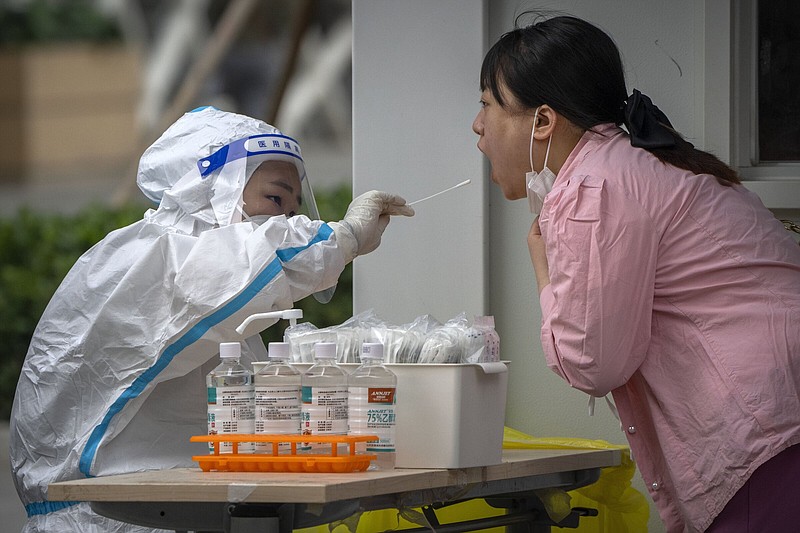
(450, 416)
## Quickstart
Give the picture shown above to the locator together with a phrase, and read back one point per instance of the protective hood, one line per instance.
(196, 171)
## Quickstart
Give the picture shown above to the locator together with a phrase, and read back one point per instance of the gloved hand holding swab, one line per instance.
(456, 186)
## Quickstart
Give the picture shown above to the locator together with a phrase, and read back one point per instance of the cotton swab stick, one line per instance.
(456, 186)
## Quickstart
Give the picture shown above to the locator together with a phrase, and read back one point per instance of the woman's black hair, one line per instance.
(575, 68)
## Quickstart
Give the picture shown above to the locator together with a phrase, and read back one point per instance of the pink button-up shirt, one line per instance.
(682, 298)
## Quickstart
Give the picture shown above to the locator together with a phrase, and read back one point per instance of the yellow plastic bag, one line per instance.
(621, 508)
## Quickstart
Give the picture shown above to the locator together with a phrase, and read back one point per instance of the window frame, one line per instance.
(731, 102)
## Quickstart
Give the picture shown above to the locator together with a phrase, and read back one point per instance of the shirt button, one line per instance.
(631, 429)
(654, 486)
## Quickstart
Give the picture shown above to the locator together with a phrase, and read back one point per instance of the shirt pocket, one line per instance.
(572, 223)
(585, 198)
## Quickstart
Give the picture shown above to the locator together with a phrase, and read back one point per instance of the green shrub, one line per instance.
(37, 250)
(40, 21)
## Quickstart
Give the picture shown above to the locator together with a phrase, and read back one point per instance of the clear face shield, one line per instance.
(238, 161)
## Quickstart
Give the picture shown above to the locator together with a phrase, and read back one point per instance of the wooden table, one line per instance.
(189, 499)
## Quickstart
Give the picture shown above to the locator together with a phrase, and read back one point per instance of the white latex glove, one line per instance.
(367, 216)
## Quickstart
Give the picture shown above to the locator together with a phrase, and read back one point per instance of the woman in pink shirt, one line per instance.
(661, 279)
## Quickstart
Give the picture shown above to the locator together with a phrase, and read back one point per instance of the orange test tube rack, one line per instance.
(284, 462)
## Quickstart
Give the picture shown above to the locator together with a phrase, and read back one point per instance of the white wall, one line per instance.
(416, 65)
(414, 94)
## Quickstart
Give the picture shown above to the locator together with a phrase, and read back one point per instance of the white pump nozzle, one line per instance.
(289, 314)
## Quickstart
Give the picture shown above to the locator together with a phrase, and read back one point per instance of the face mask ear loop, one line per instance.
(547, 152)
(533, 129)
(240, 209)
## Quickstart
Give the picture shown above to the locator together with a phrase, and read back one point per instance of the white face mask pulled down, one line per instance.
(538, 184)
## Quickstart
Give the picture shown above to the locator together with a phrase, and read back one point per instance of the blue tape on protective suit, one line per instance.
(36, 508)
(287, 254)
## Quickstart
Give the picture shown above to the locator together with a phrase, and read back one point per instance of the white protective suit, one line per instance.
(114, 379)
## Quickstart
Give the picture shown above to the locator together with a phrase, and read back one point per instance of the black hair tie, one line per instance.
(645, 123)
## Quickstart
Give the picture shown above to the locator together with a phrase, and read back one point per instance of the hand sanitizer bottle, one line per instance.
(277, 394)
(324, 388)
(230, 398)
(371, 404)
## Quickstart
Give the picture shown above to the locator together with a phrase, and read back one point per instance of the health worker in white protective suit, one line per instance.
(113, 381)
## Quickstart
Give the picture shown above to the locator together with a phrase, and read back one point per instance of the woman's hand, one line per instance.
(536, 247)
